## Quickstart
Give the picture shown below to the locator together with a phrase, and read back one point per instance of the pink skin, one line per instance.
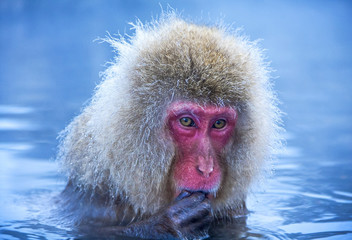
(197, 166)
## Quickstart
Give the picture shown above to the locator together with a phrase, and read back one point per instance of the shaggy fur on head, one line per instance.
(119, 146)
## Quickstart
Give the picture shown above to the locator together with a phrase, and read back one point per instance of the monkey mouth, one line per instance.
(208, 186)
(209, 193)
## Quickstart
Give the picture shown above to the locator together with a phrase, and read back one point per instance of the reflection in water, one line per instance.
(13, 124)
(47, 70)
(15, 110)
(318, 229)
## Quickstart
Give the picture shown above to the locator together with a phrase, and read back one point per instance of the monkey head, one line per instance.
(182, 107)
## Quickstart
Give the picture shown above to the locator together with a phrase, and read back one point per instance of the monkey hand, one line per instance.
(189, 216)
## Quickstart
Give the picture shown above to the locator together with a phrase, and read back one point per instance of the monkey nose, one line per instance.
(205, 166)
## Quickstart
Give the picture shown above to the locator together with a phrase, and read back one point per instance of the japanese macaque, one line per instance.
(174, 135)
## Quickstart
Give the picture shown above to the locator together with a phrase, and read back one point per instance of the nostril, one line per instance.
(205, 171)
(198, 169)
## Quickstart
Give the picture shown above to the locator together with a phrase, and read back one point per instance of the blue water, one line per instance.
(49, 65)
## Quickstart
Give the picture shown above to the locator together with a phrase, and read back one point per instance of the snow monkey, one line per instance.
(175, 134)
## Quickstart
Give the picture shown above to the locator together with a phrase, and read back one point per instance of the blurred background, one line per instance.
(50, 64)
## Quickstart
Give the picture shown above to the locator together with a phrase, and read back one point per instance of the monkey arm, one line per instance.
(189, 216)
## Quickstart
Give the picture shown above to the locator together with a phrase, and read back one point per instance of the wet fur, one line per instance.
(117, 153)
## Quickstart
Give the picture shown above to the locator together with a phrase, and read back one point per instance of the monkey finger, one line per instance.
(189, 202)
(198, 228)
(195, 216)
(183, 195)
(196, 197)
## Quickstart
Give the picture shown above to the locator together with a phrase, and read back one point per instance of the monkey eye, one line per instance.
(219, 124)
(187, 122)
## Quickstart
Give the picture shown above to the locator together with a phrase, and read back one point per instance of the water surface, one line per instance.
(49, 66)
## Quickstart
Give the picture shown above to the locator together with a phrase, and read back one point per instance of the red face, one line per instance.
(200, 134)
